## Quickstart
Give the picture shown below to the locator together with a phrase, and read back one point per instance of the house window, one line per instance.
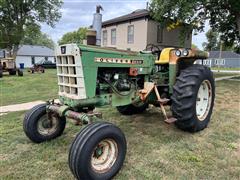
(46, 58)
(105, 37)
(207, 62)
(159, 34)
(130, 34)
(113, 36)
(219, 62)
(33, 60)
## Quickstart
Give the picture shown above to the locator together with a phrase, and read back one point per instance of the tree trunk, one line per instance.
(238, 22)
(15, 49)
(9, 51)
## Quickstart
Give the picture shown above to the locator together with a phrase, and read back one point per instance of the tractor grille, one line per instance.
(70, 77)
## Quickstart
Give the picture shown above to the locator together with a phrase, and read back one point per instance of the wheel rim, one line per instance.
(47, 126)
(204, 100)
(104, 156)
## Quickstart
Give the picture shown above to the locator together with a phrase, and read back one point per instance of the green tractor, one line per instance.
(90, 76)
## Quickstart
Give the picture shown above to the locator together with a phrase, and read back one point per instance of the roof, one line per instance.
(224, 55)
(32, 50)
(138, 14)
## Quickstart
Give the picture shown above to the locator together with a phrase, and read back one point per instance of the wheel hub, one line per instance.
(104, 155)
(47, 123)
(98, 152)
(47, 126)
(204, 100)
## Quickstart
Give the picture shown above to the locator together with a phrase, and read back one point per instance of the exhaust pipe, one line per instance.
(97, 24)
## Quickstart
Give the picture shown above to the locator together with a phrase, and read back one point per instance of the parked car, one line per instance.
(47, 64)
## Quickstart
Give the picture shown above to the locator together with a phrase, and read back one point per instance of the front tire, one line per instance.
(38, 127)
(193, 98)
(97, 152)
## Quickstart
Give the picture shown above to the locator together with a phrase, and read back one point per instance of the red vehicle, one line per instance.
(37, 68)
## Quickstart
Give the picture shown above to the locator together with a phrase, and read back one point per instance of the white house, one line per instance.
(226, 59)
(2, 53)
(31, 54)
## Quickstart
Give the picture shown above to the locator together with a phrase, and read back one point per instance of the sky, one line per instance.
(79, 13)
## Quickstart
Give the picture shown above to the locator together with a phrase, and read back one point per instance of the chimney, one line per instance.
(147, 6)
(97, 24)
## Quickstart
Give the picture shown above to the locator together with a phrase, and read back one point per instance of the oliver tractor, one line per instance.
(90, 76)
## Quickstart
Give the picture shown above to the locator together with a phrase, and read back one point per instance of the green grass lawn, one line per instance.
(30, 87)
(222, 68)
(221, 74)
(155, 150)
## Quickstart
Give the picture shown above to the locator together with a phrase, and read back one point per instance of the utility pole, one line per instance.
(220, 55)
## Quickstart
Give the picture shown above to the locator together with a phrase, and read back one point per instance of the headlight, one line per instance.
(185, 52)
(178, 53)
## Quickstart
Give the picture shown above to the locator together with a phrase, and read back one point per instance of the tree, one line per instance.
(36, 37)
(223, 16)
(16, 16)
(194, 46)
(213, 42)
(74, 37)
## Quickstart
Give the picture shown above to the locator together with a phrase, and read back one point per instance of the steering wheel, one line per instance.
(153, 48)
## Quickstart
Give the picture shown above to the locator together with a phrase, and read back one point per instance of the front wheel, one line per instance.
(97, 152)
(40, 126)
(193, 98)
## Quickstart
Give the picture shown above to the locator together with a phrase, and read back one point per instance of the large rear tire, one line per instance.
(38, 127)
(97, 152)
(132, 108)
(193, 98)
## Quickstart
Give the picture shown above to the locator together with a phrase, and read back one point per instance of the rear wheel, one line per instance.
(132, 108)
(40, 126)
(12, 72)
(97, 152)
(20, 72)
(193, 98)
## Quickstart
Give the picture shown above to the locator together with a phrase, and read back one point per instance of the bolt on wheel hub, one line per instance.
(104, 155)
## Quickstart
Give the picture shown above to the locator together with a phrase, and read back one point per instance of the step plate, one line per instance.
(170, 120)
